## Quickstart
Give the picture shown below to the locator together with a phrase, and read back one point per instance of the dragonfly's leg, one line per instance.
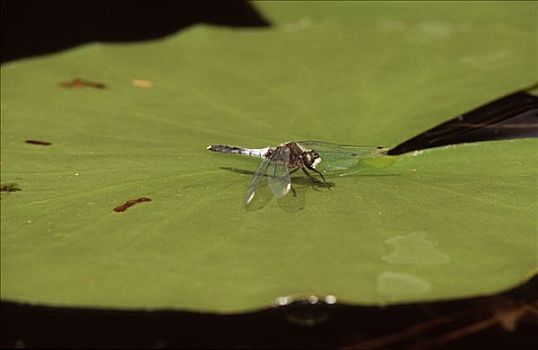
(311, 177)
(316, 181)
(317, 172)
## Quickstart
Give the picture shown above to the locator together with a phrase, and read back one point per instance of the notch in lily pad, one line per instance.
(509, 117)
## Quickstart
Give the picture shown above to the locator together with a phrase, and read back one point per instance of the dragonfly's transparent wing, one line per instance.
(347, 151)
(344, 158)
(278, 174)
(258, 176)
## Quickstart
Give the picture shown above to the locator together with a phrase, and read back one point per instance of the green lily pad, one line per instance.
(451, 222)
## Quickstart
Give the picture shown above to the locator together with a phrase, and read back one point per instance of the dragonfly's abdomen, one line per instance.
(254, 152)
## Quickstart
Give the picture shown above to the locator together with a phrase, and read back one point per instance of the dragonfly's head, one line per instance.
(311, 159)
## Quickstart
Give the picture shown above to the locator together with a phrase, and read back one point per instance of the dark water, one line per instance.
(300, 325)
(31, 27)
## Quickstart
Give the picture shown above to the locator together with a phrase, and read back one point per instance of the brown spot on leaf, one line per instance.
(82, 83)
(39, 142)
(130, 203)
(10, 187)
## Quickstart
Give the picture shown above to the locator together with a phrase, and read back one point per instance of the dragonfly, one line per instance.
(277, 163)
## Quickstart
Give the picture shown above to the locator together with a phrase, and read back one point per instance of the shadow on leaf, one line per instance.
(293, 201)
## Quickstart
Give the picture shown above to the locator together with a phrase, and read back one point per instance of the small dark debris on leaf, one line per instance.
(81, 83)
(10, 187)
(39, 142)
(130, 203)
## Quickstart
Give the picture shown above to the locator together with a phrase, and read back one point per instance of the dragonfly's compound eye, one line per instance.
(313, 158)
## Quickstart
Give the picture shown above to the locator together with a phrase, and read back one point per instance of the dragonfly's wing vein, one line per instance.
(342, 158)
(343, 151)
(278, 174)
(258, 176)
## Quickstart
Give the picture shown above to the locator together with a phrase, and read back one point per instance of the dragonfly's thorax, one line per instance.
(298, 156)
